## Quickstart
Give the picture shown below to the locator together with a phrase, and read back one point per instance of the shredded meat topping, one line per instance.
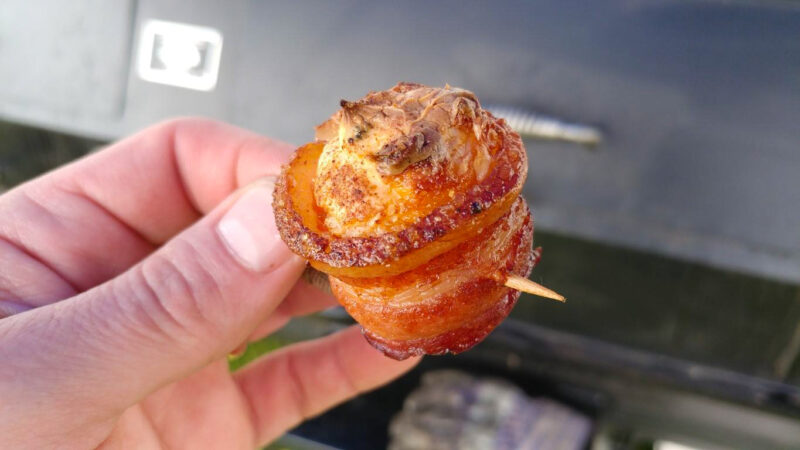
(391, 142)
(421, 142)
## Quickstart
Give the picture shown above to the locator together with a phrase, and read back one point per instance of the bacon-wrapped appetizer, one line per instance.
(410, 201)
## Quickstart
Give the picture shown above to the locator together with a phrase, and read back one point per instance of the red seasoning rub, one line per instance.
(409, 201)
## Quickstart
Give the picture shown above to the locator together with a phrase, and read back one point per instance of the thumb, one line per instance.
(182, 307)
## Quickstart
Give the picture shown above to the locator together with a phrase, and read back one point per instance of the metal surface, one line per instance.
(698, 103)
(532, 125)
(65, 64)
(698, 99)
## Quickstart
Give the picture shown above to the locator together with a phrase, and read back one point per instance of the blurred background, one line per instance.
(664, 145)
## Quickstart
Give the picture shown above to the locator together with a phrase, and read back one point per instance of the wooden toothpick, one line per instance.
(320, 280)
(526, 285)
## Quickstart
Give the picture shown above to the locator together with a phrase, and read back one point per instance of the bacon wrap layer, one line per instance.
(452, 302)
(428, 276)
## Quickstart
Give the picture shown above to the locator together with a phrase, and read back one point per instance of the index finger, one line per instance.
(91, 220)
(162, 179)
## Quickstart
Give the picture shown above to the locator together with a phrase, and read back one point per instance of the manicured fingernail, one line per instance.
(249, 232)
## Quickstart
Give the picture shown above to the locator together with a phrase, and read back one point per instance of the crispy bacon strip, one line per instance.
(410, 202)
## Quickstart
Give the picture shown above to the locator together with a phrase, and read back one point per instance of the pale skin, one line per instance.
(120, 299)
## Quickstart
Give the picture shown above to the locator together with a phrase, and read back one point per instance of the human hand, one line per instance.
(128, 276)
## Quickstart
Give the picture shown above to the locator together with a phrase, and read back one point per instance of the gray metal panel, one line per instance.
(58, 63)
(149, 102)
(698, 99)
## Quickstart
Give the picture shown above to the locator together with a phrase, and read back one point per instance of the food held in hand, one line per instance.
(410, 201)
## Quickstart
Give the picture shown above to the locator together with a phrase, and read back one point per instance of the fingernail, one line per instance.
(249, 232)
